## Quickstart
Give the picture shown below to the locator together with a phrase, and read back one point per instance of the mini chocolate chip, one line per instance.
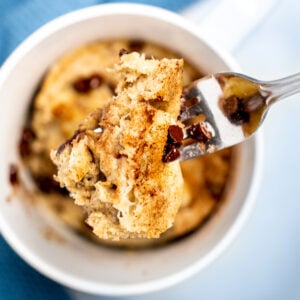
(13, 174)
(175, 134)
(171, 153)
(122, 52)
(230, 105)
(27, 137)
(113, 186)
(239, 117)
(119, 155)
(82, 85)
(136, 45)
(199, 132)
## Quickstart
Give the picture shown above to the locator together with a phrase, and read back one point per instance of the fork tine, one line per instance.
(200, 137)
(190, 103)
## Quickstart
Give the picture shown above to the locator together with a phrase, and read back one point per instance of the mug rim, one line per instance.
(68, 280)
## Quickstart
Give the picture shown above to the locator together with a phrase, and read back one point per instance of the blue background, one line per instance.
(264, 262)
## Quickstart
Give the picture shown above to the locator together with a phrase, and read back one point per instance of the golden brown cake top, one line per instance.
(113, 164)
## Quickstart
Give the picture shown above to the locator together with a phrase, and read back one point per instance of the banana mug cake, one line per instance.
(112, 166)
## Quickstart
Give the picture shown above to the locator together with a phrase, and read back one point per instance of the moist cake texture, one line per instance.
(113, 166)
(78, 83)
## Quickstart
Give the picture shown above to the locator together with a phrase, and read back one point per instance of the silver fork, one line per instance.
(224, 109)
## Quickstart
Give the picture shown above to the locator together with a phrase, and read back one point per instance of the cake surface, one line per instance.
(58, 108)
(113, 166)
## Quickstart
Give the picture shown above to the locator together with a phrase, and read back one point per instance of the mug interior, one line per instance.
(74, 261)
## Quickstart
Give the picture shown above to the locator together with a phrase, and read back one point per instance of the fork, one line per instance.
(224, 109)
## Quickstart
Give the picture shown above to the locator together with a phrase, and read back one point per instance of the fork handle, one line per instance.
(281, 88)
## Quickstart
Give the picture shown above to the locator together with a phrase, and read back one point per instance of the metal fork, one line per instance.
(224, 109)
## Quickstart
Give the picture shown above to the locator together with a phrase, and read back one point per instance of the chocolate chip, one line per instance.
(230, 105)
(136, 45)
(239, 117)
(84, 84)
(122, 52)
(238, 110)
(27, 137)
(119, 156)
(199, 132)
(171, 153)
(13, 174)
(175, 134)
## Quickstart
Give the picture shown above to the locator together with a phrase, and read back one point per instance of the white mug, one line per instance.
(77, 263)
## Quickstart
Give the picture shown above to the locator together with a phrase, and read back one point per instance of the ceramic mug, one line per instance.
(76, 262)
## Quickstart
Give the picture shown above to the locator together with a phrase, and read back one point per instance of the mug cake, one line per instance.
(81, 83)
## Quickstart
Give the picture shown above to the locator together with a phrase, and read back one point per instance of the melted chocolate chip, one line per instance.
(175, 134)
(27, 137)
(122, 52)
(230, 105)
(171, 153)
(136, 45)
(199, 132)
(239, 117)
(84, 84)
(13, 174)
(69, 141)
(235, 110)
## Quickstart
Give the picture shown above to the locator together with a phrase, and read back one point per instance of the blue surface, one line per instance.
(19, 281)
(19, 18)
